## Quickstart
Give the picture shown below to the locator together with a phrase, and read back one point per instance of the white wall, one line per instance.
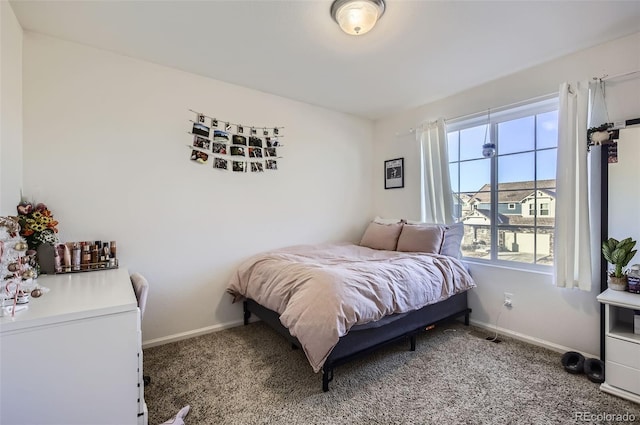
(556, 317)
(104, 142)
(10, 110)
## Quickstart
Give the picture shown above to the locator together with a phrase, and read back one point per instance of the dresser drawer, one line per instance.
(622, 377)
(623, 352)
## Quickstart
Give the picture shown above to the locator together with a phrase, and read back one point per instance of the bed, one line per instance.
(341, 301)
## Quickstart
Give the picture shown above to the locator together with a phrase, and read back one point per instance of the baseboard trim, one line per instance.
(488, 327)
(190, 334)
(530, 339)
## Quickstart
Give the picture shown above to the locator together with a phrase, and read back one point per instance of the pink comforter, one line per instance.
(321, 291)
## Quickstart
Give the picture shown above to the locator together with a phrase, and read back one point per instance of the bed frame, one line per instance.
(364, 339)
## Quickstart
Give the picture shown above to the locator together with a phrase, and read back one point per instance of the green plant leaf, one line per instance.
(627, 245)
(618, 256)
(606, 251)
(629, 257)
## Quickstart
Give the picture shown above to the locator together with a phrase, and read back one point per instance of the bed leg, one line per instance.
(412, 340)
(466, 317)
(247, 313)
(327, 376)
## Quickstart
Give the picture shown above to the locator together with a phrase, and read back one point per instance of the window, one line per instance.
(509, 199)
(544, 208)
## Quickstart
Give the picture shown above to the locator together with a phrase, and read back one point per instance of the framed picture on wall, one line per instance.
(394, 173)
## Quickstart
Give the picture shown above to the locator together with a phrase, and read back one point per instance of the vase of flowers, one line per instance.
(37, 225)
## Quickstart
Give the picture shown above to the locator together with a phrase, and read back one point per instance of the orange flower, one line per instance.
(27, 232)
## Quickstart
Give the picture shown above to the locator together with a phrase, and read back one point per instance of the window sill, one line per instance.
(542, 270)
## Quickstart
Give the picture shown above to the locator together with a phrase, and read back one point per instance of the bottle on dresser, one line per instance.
(112, 254)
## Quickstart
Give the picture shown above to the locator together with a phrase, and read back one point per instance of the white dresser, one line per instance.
(622, 346)
(74, 356)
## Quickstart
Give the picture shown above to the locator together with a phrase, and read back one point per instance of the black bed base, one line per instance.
(362, 340)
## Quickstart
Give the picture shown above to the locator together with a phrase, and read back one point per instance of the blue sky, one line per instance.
(513, 136)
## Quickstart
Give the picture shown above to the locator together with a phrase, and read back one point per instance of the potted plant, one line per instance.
(618, 253)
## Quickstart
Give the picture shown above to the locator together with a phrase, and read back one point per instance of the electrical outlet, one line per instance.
(508, 299)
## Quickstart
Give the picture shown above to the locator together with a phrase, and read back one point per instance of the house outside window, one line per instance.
(511, 213)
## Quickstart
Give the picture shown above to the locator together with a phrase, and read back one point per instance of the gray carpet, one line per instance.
(250, 375)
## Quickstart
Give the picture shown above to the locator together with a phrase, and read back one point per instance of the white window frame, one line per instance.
(511, 206)
(523, 109)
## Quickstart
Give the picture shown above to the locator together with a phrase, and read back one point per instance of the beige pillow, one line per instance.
(381, 236)
(453, 235)
(421, 238)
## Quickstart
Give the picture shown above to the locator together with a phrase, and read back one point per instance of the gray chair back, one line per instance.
(141, 288)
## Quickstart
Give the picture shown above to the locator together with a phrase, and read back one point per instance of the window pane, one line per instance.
(547, 130)
(546, 164)
(474, 174)
(476, 242)
(541, 209)
(471, 141)
(475, 207)
(525, 244)
(544, 245)
(452, 141)
(516, 168)
(453, 173)
(516, 135)
(516, 243)
(510, 201)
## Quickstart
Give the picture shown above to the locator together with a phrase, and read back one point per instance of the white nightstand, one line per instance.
(622, 365)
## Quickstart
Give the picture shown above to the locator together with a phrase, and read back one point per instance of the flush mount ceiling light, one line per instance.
(357, 17)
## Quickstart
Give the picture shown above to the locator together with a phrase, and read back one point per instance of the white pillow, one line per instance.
(453, 235)
(387, 220)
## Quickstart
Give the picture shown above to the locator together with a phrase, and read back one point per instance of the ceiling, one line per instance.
(419, 52)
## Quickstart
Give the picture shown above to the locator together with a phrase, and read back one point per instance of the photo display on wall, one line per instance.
(237, 148)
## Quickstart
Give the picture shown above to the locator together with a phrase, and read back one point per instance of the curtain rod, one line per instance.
(504, 107)
(477, 114)
(606, 77)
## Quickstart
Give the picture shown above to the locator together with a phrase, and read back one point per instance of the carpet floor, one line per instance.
(250, 375)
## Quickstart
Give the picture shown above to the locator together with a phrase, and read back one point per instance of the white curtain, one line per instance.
(436, 199)
(572, 250)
